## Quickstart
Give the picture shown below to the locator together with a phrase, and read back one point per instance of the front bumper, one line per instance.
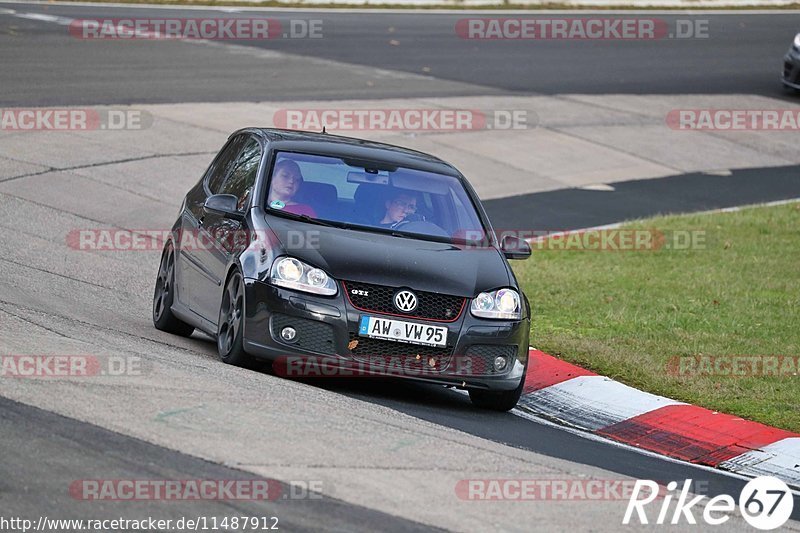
(791, 70)
(327, 330)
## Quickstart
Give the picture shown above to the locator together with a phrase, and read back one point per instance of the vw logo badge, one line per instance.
(405, 301)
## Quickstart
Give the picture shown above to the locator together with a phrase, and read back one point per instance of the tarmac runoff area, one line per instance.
(505, 145)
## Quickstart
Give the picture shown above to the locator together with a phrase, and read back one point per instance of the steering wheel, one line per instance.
(421, 226)
(412, 217)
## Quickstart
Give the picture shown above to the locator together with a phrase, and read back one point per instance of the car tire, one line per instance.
(231, 324)
(498, 401)
(788, 89)
(164, 294)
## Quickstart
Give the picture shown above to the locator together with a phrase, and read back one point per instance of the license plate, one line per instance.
(401, 331)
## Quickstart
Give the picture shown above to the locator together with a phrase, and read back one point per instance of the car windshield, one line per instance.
(372, 196)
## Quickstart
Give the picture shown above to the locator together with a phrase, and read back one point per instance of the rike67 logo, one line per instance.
(765, 502)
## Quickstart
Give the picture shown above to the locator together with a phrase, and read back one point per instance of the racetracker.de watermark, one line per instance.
(414, 363)
(419, 119)
(153, 240)
(74, 119)
(544, 489)
(734, 366)
(591, 240)
(70, 366)
(584, 28)
(211, 29)
(734, 119)
(596, 240)
(258, 489)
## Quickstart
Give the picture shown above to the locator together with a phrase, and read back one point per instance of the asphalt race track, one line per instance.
(379, 454)
(741, 55)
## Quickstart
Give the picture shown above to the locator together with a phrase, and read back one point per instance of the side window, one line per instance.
(243, 176)
(222, 165)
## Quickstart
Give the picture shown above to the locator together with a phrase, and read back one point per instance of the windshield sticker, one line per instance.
(277, 204)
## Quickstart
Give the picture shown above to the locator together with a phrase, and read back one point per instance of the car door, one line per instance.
(227, 235)
(194, 279)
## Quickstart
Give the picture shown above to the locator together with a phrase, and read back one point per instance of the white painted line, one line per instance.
(748, 206)
(617, 225)
(780, 459)
(259, 53)
(604, 187)
(64, 21)
(722, 172)
(593, 402)
(263, 53)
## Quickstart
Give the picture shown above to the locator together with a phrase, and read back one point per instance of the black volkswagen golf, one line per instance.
(313, 247)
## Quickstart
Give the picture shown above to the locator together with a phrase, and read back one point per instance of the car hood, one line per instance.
(353, 255)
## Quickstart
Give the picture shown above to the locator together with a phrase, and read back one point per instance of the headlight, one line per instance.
(796, 43)
(289, 269)
(502, 303)
(294, 274)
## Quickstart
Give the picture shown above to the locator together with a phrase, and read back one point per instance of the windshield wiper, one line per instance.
(311, 220)
(421, 236)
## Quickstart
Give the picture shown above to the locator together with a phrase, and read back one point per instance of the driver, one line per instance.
(401, 207)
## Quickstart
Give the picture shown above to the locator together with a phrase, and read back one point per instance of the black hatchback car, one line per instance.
(308, 247)
(791, 65)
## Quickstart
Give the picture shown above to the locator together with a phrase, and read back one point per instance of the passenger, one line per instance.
(286, 181)
(401, 207)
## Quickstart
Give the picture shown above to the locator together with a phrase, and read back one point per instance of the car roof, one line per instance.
(350, 147)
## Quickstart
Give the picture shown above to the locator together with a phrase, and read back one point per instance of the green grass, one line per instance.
(625, 314)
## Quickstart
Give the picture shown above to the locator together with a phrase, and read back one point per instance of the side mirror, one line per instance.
(225, 205)
(515, 248)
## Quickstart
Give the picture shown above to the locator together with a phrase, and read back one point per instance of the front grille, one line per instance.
(380, 299)
(312, 335)
(401, 356)
(479, 360)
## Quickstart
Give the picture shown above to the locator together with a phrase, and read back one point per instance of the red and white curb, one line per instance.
(577, 397)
